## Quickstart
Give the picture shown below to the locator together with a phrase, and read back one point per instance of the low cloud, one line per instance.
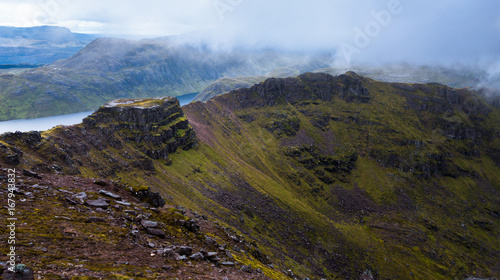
(356, 31)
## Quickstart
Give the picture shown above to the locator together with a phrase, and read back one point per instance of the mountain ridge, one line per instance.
(330, 176)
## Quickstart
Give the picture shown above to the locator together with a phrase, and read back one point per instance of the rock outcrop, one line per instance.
(143, 130)
(158, 125)
(305, 87)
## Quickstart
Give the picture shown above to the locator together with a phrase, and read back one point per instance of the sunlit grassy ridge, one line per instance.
(330, 176)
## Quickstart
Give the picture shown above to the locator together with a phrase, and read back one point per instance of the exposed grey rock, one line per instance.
(65, 191)
(185, 251)
(131, 212)
(101, 183)
(32, 174)
(235, 239)
(156, 231)
(73, 201)
(97, 203)
(227, 263)
(149, 224)
(210, 255)
(168, 252)
(191, 225)
(82, 196)
(197, 256)
(124, 203)
(150, 197)
(110, 194)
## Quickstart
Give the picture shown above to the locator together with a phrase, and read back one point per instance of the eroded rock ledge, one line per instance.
(140, 129)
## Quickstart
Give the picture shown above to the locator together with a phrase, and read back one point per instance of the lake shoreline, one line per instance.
(46, 123)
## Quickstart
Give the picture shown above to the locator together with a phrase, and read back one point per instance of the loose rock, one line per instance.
(97, 203)
(185, 251)
(155, 231)
(149, 224)
(110, 194)
(197, 256)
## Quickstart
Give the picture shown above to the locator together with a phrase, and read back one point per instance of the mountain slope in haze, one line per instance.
(108, 69)
(320, 176)
(40, 44)
(456, 77)
(487, 83)
(226, 84)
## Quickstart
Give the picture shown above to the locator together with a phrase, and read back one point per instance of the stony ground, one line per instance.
(76, 228)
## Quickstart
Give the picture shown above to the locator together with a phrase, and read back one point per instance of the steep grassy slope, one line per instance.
(327, 176)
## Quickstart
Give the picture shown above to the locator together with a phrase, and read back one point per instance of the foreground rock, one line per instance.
(21, 272)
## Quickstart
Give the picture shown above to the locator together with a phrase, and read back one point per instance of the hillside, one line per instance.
(314, 176)
(110, 68)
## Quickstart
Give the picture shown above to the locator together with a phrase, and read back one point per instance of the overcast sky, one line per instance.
(422, 31)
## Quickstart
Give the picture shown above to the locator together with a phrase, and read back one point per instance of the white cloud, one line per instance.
(424, 31)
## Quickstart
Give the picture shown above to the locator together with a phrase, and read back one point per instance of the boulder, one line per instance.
(185, 251)
(149, 224)
(110, 194)
(197, 256)
(97, 203)
(156, 231)
(32, 174)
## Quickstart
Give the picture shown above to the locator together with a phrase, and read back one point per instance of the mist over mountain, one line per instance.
(110, 68)
(40, 44)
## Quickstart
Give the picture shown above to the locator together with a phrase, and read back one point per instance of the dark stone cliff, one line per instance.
(139, 129)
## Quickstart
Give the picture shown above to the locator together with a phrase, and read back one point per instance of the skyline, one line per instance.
(391, 31)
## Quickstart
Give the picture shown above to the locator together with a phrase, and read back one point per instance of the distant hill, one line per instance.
(39, 45)
(110, 68)
(459, 76)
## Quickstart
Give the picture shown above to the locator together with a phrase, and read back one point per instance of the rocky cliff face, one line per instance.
(305, 87)
(158, 125)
